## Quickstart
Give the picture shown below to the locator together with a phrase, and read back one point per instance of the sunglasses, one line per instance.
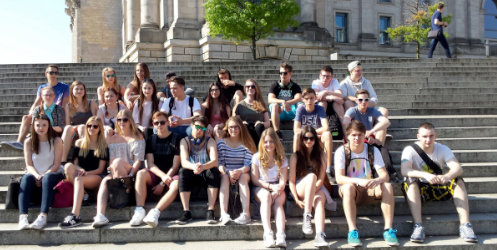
(113, 75)
(283, 73)
(92, 126)
(122, 119)
(157, 123)
(310, 138)
(53, 73)
(363, 100)
(200, 127)
(250, 86)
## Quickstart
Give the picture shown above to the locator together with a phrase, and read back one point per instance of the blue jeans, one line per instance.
(440, 38)
(28, 183)
(180, 130)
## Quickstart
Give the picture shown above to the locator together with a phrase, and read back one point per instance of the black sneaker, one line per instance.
(280, 135)
(70, 221)
(210, 217)
(186, 217)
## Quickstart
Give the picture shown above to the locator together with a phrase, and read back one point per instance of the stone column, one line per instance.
(132, 19)
(308, 12)
(150, 14)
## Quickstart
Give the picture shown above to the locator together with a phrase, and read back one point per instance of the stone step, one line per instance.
(200, 230)
(441, 111)
(459, 120)
(445, 132)
(474, 143)
(442, 104)
(480, 155)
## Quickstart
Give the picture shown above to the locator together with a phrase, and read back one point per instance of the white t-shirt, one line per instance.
(181, 108)
(318, 87)
(359, 166)
(441, 154)
(147, 113)
(270, 174)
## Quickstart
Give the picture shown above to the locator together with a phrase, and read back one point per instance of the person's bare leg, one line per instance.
(264, 198)
(414, 201)
(461, 202)
(70, 172)
(349, 205)
(24, 128)
(245, 192)
(275, 116)
(279, 212)
(327, 140)
(212, 197)
(80, 183)
(306, 189)
(169, 197)
(67, 139)
(319, 212)
(103, 194)
(387, 204)
(142, 179)
(224, 193)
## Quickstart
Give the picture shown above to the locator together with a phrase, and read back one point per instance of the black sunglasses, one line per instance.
(284, 73)
(250, 86)
(156, 123)
(310, 138)
(363, 100)
(122, 119)
(53, 73)
(92, 126)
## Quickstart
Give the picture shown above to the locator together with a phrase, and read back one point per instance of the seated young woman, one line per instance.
(132, 92)
(108, 111)
(235, 151)
(109, 80)
(307, 177)
(42, 153)
(126, 154)
(145, 106)
(269, 174)
(87, 169)
(217, 110)
(78, 110)
(252, 110)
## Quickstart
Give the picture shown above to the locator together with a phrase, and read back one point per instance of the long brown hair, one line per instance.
(73, 103)
(141, 100)
(279, 150)
(259, 103)
(101, 149)
(244, 134)
(105, 104)
(35, 140)
(222, 104)
(136, 80)
(107, 84)
(134, 129)
(305, 160)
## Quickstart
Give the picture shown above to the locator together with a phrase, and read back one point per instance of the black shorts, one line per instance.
(188, 180)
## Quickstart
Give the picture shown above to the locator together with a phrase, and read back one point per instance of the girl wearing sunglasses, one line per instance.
(306, 180)
(87, 169)
(252, 110)
(126, 152)
(78, 110)
(216, 109)
(109, 80)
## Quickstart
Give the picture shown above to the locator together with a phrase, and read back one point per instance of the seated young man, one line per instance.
(328, 91)
(199, 165)
(417, 173)
(283, 98)
(354, 172)
(376, 124)
(231, 90)
(163, 162)
(180, 107)
(314, 115)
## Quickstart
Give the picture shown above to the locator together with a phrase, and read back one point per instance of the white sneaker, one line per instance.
(268, 239)
(306, 224)
(152, 218)
(137, 218)
(242, 219)
(39, 223)
(23, 222)
(225, 219)
(99, 220)
(280, 239)
(320, 240)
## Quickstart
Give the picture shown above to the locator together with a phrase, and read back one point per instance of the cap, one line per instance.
(353, 64)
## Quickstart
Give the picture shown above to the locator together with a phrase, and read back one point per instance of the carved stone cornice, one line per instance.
(72, 5)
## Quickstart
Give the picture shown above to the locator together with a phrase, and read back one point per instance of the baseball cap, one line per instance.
(353, 64)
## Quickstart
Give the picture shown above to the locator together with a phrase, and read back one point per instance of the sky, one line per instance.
(34, 31)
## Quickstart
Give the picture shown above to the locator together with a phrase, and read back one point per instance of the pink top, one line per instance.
(216, 119)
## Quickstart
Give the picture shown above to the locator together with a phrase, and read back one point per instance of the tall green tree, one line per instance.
(249, 20)
(418, 24)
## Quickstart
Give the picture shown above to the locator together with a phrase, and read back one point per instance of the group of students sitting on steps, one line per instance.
(168, 143)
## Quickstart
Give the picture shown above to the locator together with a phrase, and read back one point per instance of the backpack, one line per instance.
(334, 123)
(190, 103)
(387, 160)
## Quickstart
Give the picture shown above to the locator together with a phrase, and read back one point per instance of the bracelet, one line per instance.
(162, 183)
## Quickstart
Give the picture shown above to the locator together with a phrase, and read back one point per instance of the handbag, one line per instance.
(433, 33)
(432, 192)
(234, 203)
(64, 193)
(120, 191)
(12, 197)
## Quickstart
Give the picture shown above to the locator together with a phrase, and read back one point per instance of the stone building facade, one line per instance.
(175, 30)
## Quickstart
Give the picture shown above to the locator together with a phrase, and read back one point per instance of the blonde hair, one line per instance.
(244, 134)
(101, 148)
(259, 103)
(279, 151)
(134, 129)
(107, 84)
(73, 104)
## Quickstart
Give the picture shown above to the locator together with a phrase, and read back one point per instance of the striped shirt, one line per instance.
(233, 158)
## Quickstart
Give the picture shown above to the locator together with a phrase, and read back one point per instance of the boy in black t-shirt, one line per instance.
(163, 162)
(232, 91)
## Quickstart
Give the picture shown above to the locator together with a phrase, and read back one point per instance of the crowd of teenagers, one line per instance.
(170, 143)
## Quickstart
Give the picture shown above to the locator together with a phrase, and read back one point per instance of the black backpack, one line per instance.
(387, 160)
(190, 103)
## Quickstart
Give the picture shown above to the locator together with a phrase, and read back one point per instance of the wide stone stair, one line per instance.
(457, 96)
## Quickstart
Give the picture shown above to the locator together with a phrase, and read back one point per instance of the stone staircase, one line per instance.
(455, 95)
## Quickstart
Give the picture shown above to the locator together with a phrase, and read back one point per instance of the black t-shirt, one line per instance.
(164, 150)
(90, 162)
(230, 91)
(285, 93)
